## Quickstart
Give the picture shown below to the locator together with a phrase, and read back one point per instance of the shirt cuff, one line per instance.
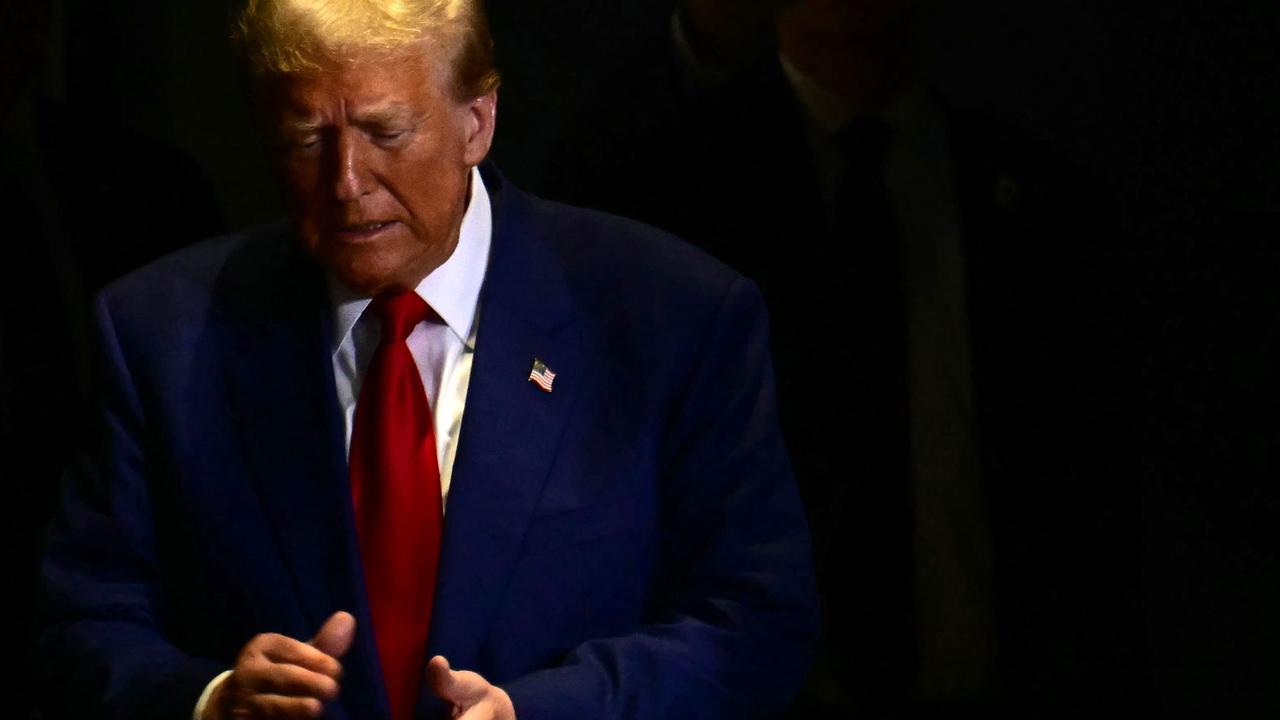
(208, 691)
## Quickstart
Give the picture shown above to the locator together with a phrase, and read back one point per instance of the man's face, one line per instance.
(375, 159)
(858, 21)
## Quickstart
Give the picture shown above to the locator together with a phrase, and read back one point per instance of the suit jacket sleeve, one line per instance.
(104, 645)
(735, 616)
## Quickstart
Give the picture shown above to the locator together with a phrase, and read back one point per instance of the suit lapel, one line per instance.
(511, 428)
(283, 392)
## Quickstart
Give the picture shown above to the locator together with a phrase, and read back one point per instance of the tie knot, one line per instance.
(399, 311)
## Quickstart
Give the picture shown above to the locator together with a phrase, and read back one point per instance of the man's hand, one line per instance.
(279, 677)
(471, 696)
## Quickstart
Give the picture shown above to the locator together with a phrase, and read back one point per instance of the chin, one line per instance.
(363, 282)
(371, 278)
(369, 268)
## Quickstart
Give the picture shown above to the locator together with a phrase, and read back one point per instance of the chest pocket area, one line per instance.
(599, 523)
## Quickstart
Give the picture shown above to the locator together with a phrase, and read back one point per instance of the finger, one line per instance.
(335, 636)
(286, 650)
(460, 687)
(479, 711)
(287, 708)
(486, 710)
(290, 680)
(438, 676)
(495, 706)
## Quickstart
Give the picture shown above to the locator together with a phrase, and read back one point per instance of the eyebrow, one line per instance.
(390, 114)
(301, 126)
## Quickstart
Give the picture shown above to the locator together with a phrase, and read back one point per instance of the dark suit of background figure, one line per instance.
(1212, 556)
(83, 203)
(630, 544)
(732, 170)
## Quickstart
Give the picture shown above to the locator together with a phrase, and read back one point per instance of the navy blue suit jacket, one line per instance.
(630, 545)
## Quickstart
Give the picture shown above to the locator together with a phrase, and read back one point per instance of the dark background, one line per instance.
(1174, 102)
(1174, 106)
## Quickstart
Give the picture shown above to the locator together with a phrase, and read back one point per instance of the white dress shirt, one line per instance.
(442, 352)
(953, 560)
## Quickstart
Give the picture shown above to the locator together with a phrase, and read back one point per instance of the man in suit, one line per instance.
(431, 418)
(943, 296)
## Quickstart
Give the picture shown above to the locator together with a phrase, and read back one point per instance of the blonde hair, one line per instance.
(275, 37)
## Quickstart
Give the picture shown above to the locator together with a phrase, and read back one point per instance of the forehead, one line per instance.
(405, 84)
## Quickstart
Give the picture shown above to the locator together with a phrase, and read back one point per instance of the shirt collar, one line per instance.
(826, 113)
(452, 290)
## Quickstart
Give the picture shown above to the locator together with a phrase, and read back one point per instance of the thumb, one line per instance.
(440, 678)
(462, 688)
(335, 636)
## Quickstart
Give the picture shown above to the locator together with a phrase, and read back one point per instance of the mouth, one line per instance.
(362, 232)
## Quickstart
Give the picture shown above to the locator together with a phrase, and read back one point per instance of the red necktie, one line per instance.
(395, 487)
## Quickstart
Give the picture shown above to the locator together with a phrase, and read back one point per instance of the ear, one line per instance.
(482, 114)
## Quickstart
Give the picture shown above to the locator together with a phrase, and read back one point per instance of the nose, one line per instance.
(352, 177)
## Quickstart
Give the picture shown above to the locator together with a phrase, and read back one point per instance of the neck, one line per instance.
(866, 71)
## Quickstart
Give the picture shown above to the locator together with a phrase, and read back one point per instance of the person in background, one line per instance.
(947, 307)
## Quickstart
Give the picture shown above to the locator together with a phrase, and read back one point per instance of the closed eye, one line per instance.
(301, 140)
(387, 136)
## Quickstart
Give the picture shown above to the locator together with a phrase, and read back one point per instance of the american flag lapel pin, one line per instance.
(541, 375)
